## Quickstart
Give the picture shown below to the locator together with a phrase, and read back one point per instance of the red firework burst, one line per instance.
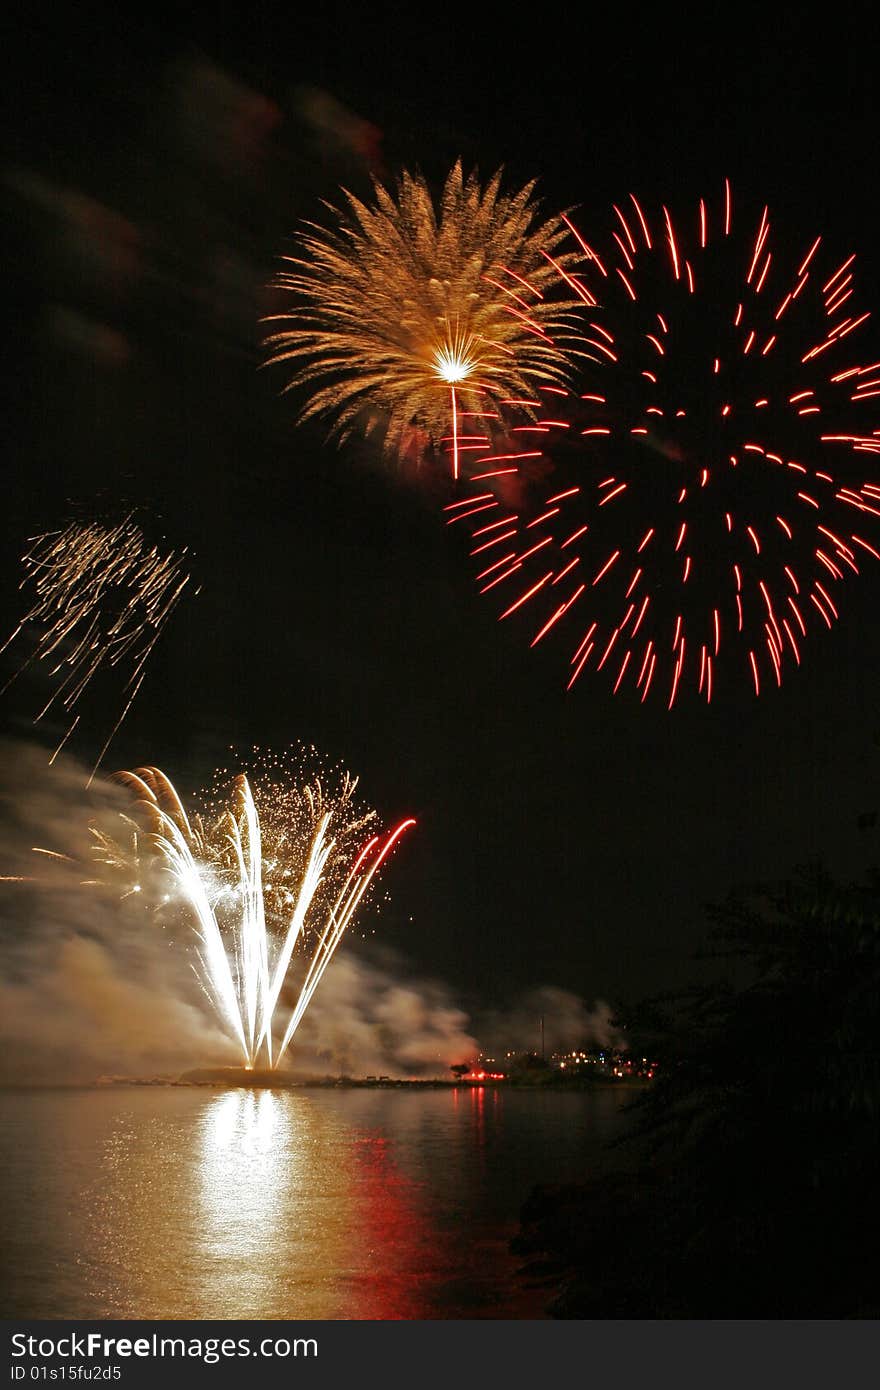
(685, 510)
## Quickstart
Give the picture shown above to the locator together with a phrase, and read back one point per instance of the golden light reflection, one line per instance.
(269, 1218)
(264, 1204)
(275, 1219)
(248, 1163)
(243, 1121)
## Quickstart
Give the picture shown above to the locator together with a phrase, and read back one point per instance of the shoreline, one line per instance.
(238, 1079)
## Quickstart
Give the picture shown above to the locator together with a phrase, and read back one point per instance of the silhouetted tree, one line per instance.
(756, 1192)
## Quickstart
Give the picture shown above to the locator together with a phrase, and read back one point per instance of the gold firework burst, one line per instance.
(405, 312)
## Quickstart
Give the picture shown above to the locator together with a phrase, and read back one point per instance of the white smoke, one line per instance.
(567, 1022)
(91, 984)
(365, 1020)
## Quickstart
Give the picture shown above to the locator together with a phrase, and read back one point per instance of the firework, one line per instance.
(421, 317)
(270, 885)
(102, 596)
(690, 508)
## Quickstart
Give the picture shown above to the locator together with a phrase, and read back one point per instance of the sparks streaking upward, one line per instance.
(404, 314)
(688, 512)
(270, 886)
(102, 597)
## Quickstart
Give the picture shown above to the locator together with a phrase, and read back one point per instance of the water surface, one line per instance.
(193, 1203)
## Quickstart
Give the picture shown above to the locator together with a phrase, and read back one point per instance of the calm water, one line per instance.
(191, 1203)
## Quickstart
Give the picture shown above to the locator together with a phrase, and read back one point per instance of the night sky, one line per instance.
(568, 840)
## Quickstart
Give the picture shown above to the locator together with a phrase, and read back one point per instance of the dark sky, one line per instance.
(152, 177)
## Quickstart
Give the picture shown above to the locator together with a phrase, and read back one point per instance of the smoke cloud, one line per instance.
(91, 983)
(366, 1020)
(568, 1023)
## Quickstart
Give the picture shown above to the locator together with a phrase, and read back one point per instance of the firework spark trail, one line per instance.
(319, 852)
(102, 599)
(263, 894)
(403, 310)
(216, 971)
(344, 909)
(699, 484)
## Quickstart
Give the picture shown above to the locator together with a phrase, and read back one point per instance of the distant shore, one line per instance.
(229, 1078)
(262, 1079)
